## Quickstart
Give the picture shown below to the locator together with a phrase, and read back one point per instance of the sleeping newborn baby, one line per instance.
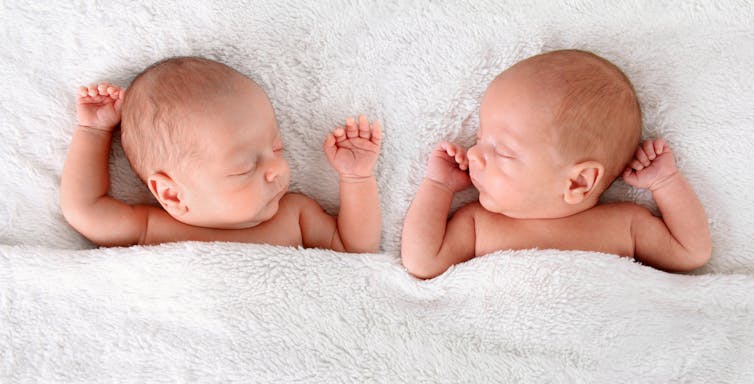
(204, 139)
(555, 130)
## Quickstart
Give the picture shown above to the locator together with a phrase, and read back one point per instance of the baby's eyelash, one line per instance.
(249, 171)
(502, 155)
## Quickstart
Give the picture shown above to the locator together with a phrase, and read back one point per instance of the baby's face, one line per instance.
(241, 174)
(513, 164)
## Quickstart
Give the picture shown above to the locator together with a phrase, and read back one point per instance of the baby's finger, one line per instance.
(92, 91)
(118, 102)
(329, 140)
(112, 91)
(460, 154)
(364, 131)
(649, 149)
(329, 146)
(637, 165)
(449, 148)
(660, 146)
(83, 91)
(641, 156)
(376, 132)
(462, 160)
(627, 172)
(351, 130)
(339, 134)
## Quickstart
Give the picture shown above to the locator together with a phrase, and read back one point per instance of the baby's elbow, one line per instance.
(419, 268)
(700, 257)
(84, 224)
(354, 248)
(75, 217)
(374, 247)
(695, 259)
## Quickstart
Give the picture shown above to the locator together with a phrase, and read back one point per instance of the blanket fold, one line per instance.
(209, 312)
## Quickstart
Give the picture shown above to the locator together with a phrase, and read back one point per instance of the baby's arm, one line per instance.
(85, 180)
(430, 243)
(353, 150)
(680, 240)
(85, 183)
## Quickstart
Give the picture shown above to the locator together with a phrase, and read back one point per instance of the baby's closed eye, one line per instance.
(245, 171)
(503, 155)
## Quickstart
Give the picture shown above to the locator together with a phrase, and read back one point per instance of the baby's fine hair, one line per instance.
(155, 133)
(599, 116)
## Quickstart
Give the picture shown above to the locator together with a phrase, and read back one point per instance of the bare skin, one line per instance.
(247, 181)
(529, 197)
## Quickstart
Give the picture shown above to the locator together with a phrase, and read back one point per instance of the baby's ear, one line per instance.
(168, 193)
(583, 179)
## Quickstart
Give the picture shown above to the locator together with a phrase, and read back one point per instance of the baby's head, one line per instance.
(204, 139)
(555, 131)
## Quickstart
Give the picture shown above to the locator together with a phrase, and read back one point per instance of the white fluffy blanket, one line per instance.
(207, 312)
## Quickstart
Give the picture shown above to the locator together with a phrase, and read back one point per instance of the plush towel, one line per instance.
(253, 313)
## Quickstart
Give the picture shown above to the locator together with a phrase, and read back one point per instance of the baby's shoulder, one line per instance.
(471, 209)
(618, 213)
(295, 197)
(622, 208)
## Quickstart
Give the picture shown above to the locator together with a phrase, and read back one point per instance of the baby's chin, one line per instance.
(492, 206)
(489, 204)
(270, 209)
(266, 213)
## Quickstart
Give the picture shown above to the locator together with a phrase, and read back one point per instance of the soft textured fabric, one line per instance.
(254, 313)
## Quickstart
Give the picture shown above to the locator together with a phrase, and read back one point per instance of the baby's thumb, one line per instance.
(628, 175)
(329, 146)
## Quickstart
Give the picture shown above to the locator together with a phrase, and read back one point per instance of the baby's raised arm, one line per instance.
(86, 180)
(353, 151)
(430, 243)
(85, 184)
(680, 240)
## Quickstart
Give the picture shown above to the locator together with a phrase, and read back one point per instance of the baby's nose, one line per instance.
(275, 169)
(270, 175)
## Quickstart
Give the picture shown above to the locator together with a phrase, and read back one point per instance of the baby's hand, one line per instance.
(652, 165)
(98, 106)
(448, 165)
(353, 150)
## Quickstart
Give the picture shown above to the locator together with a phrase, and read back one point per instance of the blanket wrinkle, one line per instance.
(227, 312)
